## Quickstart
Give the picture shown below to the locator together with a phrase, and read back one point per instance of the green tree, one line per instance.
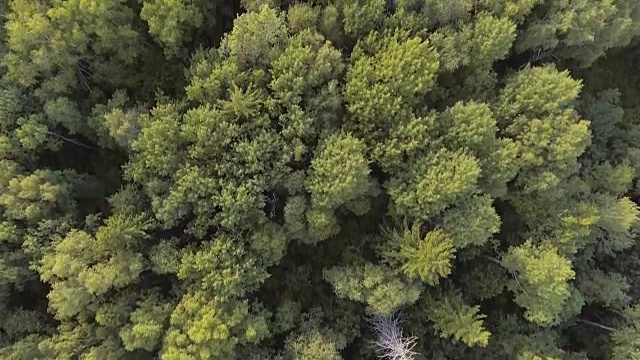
(65, 44)
(539, 282)
(170, 21)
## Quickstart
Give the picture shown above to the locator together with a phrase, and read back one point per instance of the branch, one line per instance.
(71, 140)
(82, 77)
(604, 327)
(390, 342)
(513, 273)
(494, 260)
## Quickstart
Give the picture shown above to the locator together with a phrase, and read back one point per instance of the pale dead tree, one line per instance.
(390, 343)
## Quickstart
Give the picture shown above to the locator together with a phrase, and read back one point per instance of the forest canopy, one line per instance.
(319, 179)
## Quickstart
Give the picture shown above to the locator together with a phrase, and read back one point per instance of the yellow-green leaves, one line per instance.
(514, 9)
(377, 286)
(473, 222)
(540, 281)
(322, 224)
(535, 108)
(428, 259)
(363, 16)
(35, 196)
(256, 5)
(581, 30)
(165, 257)
(434, 182)
(472, 126)
(339, 173)
(148, 324)
(536, 92)
(31, 133)
(312, 346)
(327, 160)
(221, 269)
(302, 16)
(118, 271)
(270, 242)
(429, 255)
(307, 64)
(491, 40)
(171, 20)
(305, 84)
(160, 140)
(202, 327)
(453, 318)
(617, 216)
(257, 38)
(388, 75)
(625, 339)
(97, 264)
(469, 125)
(58, 42)
(477, 44)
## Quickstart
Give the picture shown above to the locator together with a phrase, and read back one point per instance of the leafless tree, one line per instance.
(390, 342)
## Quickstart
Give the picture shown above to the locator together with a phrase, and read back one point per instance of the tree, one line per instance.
(377, 286)
(65, 43)
(602, 26)
(452, 318)
(388, 76)
(170, 21)
(539, 281)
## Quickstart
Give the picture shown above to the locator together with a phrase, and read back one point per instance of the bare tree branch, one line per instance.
(604, 327)
(71, 141)
(390, 343)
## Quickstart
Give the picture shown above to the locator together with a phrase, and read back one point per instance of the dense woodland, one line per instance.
(319, 180)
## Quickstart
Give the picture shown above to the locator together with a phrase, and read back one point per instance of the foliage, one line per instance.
(259, 179)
